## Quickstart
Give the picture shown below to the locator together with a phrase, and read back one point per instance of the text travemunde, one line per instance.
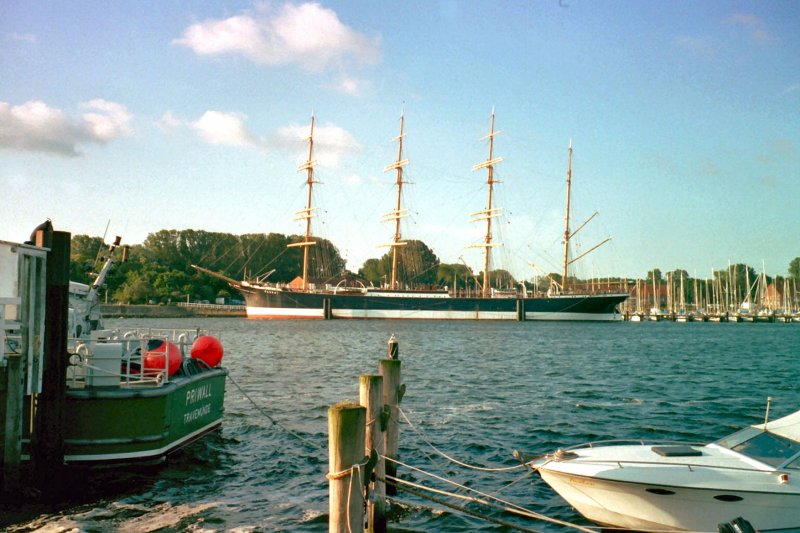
(194, 414)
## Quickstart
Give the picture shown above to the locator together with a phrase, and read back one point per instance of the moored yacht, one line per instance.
(753, 473)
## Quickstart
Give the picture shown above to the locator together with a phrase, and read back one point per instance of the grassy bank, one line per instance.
(170, 311)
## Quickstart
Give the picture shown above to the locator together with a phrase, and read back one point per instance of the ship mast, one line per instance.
(567, 234)
(566, 221)
(308, 213)
(398, 212)
(490, 212)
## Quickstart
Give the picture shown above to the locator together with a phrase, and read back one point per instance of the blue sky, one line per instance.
(684, 119)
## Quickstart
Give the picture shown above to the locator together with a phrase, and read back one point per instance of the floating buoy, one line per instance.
(208, 349)
(154, 357)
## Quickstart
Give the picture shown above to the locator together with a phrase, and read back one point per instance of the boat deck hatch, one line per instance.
(677, 451)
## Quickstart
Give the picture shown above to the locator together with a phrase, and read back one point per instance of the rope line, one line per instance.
(356, 467)
(506, 505)
(272, 420)
(503, 504)
(451, 459)
(347, 471)
(459, 508)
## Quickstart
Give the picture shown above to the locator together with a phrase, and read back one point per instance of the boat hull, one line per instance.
(272, 304)
(141, 425)
(656, 507)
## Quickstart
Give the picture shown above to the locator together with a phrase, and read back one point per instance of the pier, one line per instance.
(363, 451)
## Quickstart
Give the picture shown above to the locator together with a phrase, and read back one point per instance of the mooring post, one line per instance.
(346, 435)
(392, 394)
(47, 441)
(370, 388)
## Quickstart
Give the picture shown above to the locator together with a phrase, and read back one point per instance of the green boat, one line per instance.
(139, 396)
(130, 396)
(135, 396)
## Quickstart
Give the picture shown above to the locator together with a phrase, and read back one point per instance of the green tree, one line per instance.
(83, 253)
(654, 274)
(502, 279)
(374, 271)
(135, 290)
(794, 269)
(448, 274)
(416, 265)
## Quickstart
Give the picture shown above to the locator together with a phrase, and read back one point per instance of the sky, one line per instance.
(126, 118)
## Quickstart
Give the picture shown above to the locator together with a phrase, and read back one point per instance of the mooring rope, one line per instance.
(453, 460)
(506, 505)
(502, 505)
(348, 471)
(390, 481)
(272, 420)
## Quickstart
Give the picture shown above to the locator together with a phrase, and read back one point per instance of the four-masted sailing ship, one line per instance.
(307, 300)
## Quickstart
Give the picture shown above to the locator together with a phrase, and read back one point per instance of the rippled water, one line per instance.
(476, 390)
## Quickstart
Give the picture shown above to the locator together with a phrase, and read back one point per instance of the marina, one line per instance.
(726, 297)
(476, 390)
(400, 267)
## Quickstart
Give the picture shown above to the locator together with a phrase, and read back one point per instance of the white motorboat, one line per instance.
(753, 473)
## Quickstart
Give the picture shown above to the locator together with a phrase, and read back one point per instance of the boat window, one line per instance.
(794, 465)
(768, 448)
(740, 436)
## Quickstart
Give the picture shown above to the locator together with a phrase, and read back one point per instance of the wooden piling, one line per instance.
(371, 397)
(47, 441)
(392, 393)
(346, 437)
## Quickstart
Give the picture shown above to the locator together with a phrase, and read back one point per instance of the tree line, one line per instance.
(160, 269)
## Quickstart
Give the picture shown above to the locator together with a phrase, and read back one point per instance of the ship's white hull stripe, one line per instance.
(285, 312)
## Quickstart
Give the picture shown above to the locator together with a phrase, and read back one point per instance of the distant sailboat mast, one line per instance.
(490, 212)
(399, 212)
(308, 213)
(566, 221)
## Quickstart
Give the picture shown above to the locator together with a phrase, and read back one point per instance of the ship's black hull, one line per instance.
(276, 303)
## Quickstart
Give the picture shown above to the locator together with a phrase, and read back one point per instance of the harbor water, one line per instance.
(474, 390)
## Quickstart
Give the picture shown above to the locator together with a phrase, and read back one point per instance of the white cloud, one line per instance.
(36, 127)
(107, 120)
(307, 34)
(331, 142)
(217, 127)
(353, 86)
(169, 121)
(751, 23)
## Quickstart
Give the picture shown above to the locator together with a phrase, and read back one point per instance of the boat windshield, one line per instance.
(766, 447)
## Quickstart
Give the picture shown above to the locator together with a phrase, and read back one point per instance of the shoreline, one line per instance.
(171, 311)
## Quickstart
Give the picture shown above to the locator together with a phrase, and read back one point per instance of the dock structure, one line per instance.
(370, 429)
(22, 326)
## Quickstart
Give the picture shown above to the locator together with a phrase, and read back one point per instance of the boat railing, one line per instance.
(641, 442)
(113, 358)
(691, 466)
(621, 462)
